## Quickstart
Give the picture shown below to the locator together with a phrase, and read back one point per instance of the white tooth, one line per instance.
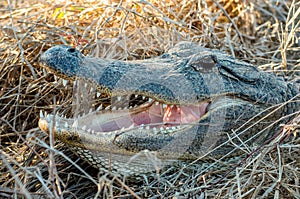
(161, 128)
(131, 126)
(143, 97)
(41, 114)
(130, 107)
(65, 82)
(91, 110)
(122, 129)
(174, 128)
(89, 130)
(93, 131)
(120, 108)
(164, 106)
(48, 118)
(114, 108)
(150, 100)
(156, 103)
(99, 108)
(85, 85)
(98, 94)
(147, 127)
(75, 124)
(92, 89)
(171, 106)
(56, 124)
(154, 129)
(66, 125)
(107, 108)
(83, 128)
(119, 98)
(136, 96)
(45, 71)
(55, 77)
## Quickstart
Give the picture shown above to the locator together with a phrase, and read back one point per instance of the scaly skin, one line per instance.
(182, 105)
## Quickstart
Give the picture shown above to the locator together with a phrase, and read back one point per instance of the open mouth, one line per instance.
(127, 112)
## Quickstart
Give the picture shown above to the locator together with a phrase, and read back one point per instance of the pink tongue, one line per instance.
(152, 116)
(185, 114)
(172, 115)
(157, 116)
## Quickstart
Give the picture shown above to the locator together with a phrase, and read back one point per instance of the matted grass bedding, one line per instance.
(263, 32)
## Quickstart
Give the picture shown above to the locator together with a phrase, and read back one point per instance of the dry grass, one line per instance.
(263, 32)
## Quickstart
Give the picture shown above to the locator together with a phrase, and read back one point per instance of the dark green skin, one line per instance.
(239, 95)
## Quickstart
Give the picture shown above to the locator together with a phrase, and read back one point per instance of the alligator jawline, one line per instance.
(151, 115)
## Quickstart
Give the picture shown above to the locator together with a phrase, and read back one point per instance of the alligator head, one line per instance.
(184, 104)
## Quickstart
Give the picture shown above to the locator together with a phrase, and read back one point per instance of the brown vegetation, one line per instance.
(263, 32)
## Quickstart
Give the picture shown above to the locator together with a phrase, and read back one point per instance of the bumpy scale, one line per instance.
(188, 103)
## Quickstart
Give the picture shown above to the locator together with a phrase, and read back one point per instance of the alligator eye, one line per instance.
(203, 63)
(71, 50)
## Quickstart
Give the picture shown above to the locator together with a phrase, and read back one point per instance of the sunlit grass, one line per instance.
(265, 33)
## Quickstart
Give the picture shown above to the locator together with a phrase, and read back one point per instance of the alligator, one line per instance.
(189, 103)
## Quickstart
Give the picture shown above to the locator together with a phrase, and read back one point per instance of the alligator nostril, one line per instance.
(71, 50)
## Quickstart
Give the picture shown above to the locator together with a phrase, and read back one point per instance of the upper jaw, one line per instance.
(122, 113)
